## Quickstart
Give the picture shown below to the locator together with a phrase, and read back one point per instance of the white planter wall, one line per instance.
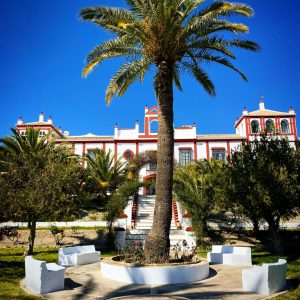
(155, 274)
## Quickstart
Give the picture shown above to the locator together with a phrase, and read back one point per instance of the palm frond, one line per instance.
(201, 76)
(126, 75)
(123, 46)
(210, 43)
(244, 44)
(176, 77)
(222, 61)
(222, 8)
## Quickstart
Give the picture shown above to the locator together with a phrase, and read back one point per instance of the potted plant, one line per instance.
(122, 220)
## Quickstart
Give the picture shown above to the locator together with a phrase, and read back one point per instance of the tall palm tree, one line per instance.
(174, 36)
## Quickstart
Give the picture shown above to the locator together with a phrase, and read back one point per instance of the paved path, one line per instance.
(86, 282)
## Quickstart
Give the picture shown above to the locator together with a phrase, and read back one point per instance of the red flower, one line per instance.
(186, 215)
(138, 243)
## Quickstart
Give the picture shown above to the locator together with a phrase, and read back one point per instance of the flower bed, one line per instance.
(154, 274)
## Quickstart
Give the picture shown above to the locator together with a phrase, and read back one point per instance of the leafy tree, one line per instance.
(39, 180)
(135, 163)
(265, 183)
(198, 187)
(118, 201)
(174, 36)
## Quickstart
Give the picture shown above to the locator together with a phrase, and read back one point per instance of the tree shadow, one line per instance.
(70, 284)
(197, 290)
(100, 240)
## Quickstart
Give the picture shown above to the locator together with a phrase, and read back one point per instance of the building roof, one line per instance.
(85, 138)
(220, 137)
(41, 124)
(268, 112)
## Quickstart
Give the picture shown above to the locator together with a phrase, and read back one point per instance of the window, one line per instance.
(42, 133)
(218, 154)
(152, 166)
(255, 126)
(285, 127)
(128, 154)
(154, 126)
(185, 156)
(270, 126)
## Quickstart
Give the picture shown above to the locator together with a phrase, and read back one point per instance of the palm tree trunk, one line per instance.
(158, 243)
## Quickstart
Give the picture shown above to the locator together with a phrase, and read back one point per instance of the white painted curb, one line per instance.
(155, 274)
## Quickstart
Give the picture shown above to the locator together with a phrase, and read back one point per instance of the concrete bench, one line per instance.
(265, 279)
(230, 255)
(78, 255)
(42, 278)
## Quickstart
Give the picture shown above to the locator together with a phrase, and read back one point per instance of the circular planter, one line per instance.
(154, 274)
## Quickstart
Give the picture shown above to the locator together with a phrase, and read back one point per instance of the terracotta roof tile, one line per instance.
(268, 112)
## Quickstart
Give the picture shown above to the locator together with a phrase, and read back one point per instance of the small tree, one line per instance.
(39, 181)
(264, 182)
(198, 189)
(118, 201)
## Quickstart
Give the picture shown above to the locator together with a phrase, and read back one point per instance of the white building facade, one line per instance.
(188, 145)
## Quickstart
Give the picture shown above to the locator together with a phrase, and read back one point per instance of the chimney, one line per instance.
(116, 132)
(146, 108)
(41, 117)
(50, 121)
(20, 121)
(137, 125)
(262, 103)
(245, 111)
(291, 111)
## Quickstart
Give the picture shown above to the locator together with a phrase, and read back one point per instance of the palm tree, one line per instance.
(104, 172)
(198, 187)
(174, 36)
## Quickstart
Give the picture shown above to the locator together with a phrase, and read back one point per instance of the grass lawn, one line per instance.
(12, 270)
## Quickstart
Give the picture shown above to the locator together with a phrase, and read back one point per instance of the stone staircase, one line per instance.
(144, 220)
(145, 212)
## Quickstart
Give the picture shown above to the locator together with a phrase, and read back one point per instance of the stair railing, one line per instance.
(134, 210)
(175, 212)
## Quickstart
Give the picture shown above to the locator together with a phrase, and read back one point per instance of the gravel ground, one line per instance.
(45, 238)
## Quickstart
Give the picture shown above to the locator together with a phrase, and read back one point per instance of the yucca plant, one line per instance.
(174, 36)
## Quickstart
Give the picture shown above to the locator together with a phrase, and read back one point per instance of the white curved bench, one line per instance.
(265, 279)
(78, 255)
(42, 278)
(230, 255)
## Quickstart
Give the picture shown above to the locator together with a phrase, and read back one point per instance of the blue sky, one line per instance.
(43, 46)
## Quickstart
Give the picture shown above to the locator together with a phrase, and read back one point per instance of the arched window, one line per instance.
(254, 126)
(285, 127)
(154, 126)
(269, 125)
